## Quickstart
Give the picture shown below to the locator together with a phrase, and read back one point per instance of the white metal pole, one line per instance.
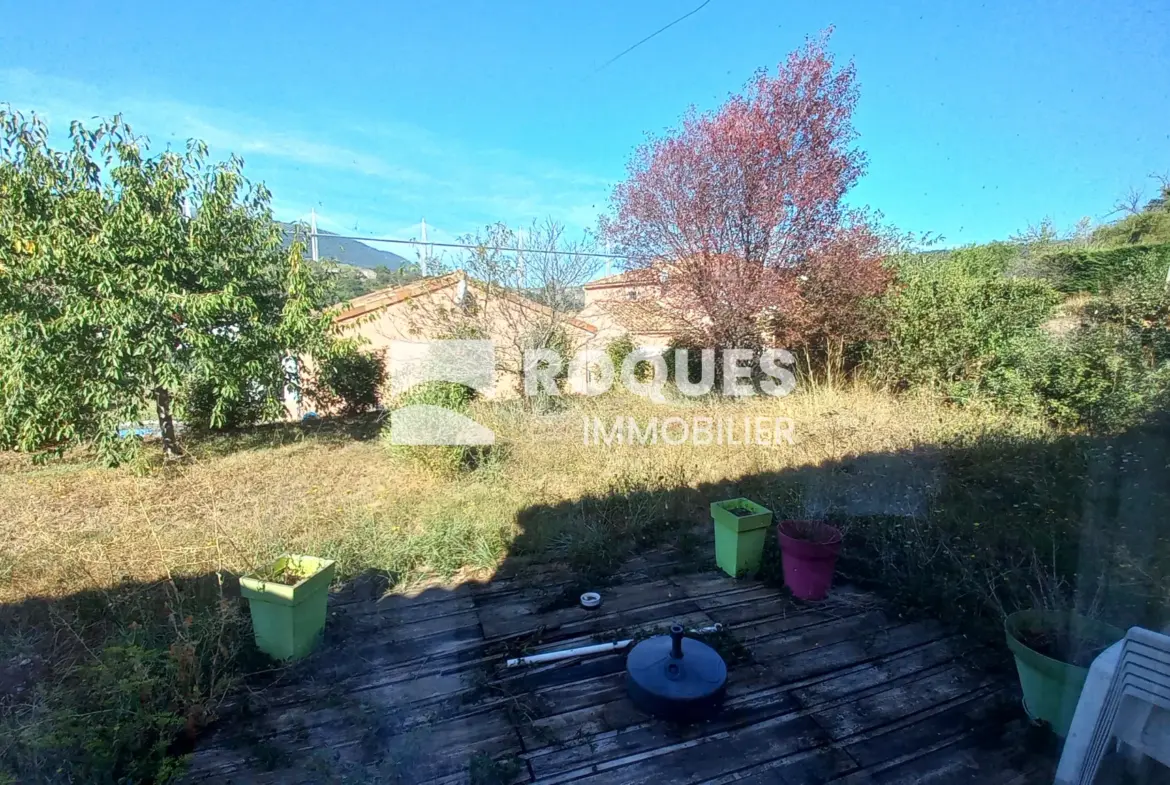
(313, 233)
(597, 648)
(553, 656)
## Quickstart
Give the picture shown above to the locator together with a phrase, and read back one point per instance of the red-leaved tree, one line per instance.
(740, 210)
(825, 301)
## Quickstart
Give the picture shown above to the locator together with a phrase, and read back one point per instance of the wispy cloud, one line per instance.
(365, 178)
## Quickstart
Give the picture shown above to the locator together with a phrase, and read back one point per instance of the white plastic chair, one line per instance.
(1127, 697)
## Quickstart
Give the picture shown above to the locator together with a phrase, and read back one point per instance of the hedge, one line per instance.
(1099, 270)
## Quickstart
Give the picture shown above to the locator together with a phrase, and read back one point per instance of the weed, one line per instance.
(484, 770)
(965, 513)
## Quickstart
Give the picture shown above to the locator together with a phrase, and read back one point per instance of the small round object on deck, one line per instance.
(590, 599)
(676, 678)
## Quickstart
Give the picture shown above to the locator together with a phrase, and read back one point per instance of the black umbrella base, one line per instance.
(676, 678)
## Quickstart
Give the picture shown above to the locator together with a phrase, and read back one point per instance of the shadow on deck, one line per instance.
(414, 690)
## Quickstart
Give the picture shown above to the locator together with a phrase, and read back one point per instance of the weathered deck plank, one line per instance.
(409, 689)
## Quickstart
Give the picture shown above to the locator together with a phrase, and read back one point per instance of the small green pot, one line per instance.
(287, 620)
(739, 539)
(1051, 688)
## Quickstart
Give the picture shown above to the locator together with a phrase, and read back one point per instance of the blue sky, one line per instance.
(978, 118)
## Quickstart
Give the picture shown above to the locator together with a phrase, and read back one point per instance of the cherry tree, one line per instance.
(127, 279)
(738, 207)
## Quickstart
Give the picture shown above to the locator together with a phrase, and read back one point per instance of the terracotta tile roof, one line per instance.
(642, 316)
(640, 276)
(527, 302)
(392, 295)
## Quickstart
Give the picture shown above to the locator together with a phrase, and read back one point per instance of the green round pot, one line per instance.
(1051, 687)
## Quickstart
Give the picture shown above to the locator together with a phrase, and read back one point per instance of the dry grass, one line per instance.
(110, 580)
(74, 526)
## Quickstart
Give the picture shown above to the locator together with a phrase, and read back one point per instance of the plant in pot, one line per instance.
(287, 601)
(741, 526)
(808, 554)
(1053, 651)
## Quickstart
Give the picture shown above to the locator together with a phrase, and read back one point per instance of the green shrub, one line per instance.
(1100, 380)
(210, 405)
(130, 688)
(621, 347)
(1151, 225)
(167, 656)
(1115, 368)
(449, 395)
(1139, 305)
(694, 370)
(959, 326)
(954, 330)
(1102, 270)
(349, 381)
(1061, 522)
(557, 340)
(442, 459)
(984, 261)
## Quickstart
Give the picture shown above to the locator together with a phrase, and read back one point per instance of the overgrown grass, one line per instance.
(119, 599)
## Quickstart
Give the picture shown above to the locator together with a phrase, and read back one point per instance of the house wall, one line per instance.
(609, 328)
(414, 320)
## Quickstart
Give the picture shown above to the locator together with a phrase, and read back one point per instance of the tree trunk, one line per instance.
(166, 423)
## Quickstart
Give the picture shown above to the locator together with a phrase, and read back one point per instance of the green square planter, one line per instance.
(287, 620)
(739, 539)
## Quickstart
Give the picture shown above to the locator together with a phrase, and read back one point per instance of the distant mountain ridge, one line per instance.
(353, 252)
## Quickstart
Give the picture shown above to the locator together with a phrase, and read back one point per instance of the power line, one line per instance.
(472, 247)
(625, 52)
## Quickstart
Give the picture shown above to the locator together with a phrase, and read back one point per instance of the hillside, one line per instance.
(352, 252)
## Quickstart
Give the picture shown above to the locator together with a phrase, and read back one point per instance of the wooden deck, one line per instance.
(413, 690)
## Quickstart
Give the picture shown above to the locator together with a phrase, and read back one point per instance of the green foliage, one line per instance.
(166, 657)
(122, 276)
(618, 349)
(621, 347)
(1116, 367)
(984, 261)
(449, 395)
(442, 459)
(959, 325)
(951, 327)
(551, 336)
(1100, 270)
(1140, 306)
(1101, 379)
(342, 283)
(130, 688)
(348, 381)
(202, 404)
(1150, 226)
(1068, 522)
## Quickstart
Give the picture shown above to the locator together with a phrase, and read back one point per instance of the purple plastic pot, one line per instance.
(808, 561)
